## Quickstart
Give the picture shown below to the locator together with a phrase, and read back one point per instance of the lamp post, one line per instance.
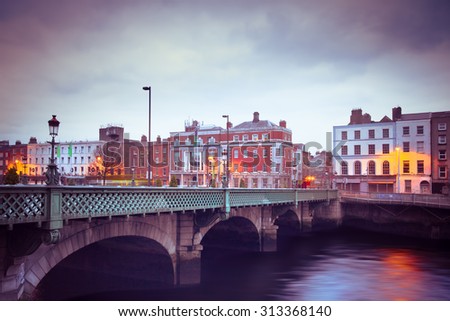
(227, 164)
(398, 168)
(52, 174)
(149, 89)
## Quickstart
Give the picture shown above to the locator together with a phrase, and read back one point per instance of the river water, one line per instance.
(338, 265)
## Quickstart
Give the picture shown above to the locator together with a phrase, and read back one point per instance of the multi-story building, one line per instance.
(440, 140)
(260, 154)
(74, 159)
(391, 155)
(413, 149)
(364, 154)
(4, 157)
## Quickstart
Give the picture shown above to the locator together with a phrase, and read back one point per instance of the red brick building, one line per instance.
(261, 154)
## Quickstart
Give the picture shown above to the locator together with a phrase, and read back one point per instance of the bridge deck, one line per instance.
(27, 204)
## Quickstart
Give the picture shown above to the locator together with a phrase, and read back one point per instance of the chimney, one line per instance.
(283, 123)
(356, 117)
(255, 117)
(366, 118)
(396, 113)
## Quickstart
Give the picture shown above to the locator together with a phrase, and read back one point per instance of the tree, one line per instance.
(11, 176)
(242, 183)
(173, 181)
(158, 183)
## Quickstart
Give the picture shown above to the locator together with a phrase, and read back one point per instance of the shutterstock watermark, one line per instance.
(193, 154)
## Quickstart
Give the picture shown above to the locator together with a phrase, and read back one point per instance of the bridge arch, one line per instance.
(39, 264)
(224, 244)
(289, 226)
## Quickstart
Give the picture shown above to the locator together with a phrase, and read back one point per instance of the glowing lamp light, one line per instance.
(53, 126)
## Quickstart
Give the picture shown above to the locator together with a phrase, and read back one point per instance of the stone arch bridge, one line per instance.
(42, 226)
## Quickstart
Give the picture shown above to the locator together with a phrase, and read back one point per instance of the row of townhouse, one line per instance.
(403, 154)
(256, 153)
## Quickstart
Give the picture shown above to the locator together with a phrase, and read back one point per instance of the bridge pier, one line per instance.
(268, 231)
(188, 258)
(12, 272)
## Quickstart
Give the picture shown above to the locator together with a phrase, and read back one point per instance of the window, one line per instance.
(442, 155)
(357, 168)
(245, 138)
(371, 133)
(420, 147)
(357, 134)
(385, 132)
(406, 167)
(419, 130)
(420, 167)
(344, 150)
(235, 167)
(344, 168)
(406, 131)
(442, 126)
(255, 137)
(255, 153)
(371, 168)
(265, 137)
(442, 139)
(245, 167)
(371, 149)
(245, 153)
(408, 186)
(386, 148)
(235, 153)
(386, 169)
(442, 170)
(235, 138)
(344, 135)
(406, 146)
(357, 149)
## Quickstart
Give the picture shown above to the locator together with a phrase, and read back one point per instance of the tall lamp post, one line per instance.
(227, 171)
(398, 168)
(52, 174)
(149, 89)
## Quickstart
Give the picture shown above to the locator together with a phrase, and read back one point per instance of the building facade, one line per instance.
(440, 140)
(260, 155)
(391, 155)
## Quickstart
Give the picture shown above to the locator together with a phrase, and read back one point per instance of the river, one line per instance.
(337, 265)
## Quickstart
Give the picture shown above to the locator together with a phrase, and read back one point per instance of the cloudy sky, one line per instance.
(307, 62)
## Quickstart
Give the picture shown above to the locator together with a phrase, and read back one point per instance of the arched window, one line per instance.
(386, 168)
(371, 168)
(357, 168)
(344, 168)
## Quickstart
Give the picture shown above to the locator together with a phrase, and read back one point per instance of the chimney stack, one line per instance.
(283, 123)
(396, 113)
(255, 117)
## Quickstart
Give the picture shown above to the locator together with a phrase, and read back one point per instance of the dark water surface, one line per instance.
(343, 265)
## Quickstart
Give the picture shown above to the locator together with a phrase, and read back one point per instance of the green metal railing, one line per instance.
(28, 204)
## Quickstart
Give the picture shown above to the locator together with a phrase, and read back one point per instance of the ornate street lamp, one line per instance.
(52, 174)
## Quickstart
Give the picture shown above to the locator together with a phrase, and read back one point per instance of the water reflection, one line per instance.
(366, 270)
